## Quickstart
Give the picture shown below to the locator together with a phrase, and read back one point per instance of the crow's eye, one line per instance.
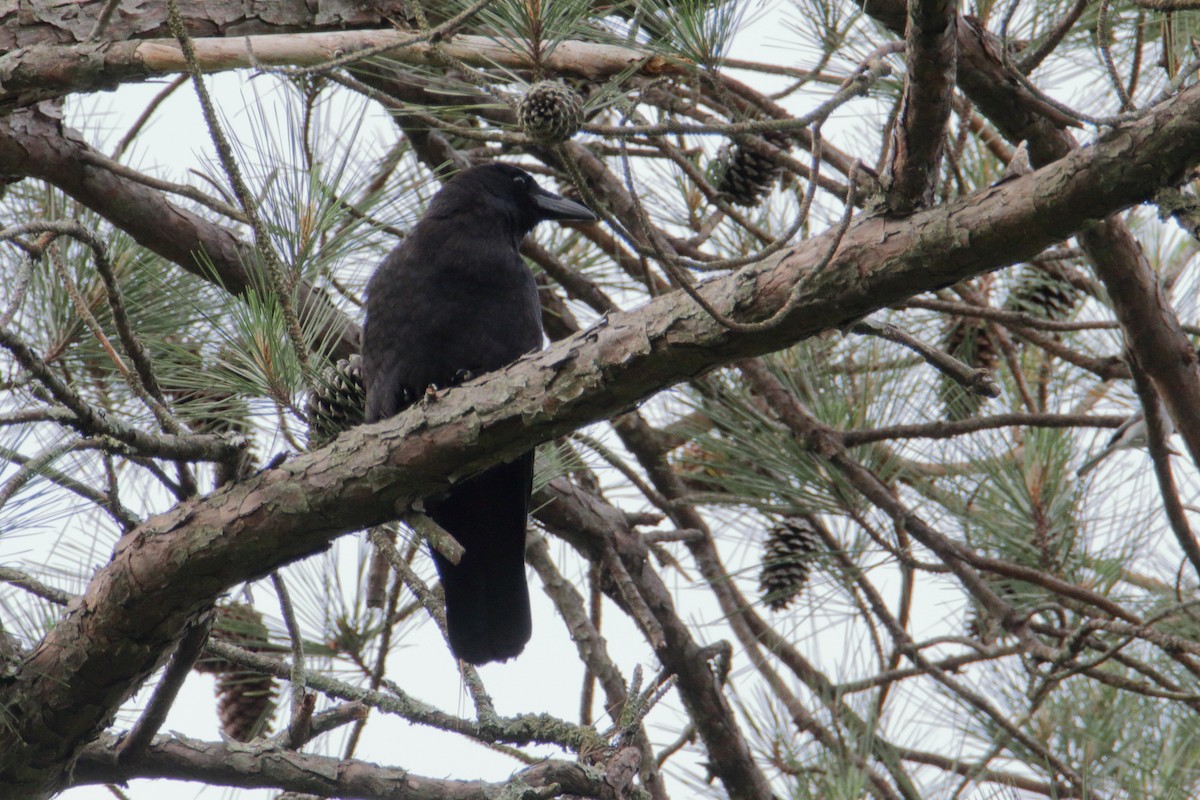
(521, 182)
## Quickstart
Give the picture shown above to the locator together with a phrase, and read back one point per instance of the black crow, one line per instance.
(452, 301)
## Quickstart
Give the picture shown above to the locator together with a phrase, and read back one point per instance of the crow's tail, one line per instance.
(487, 598)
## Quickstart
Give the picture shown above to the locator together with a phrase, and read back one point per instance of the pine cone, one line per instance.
(338, 403)
(968, 340)
(240, 625)
(550, 112)
(1044, 292)
(787, 553)
(245, 699)
(745, 176)
(245, 704)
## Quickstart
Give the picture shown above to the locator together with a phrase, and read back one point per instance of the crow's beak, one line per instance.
(552, 206)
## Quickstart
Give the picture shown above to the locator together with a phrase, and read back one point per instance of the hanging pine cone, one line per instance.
(745, 176)
(550, 112)
(1044, 292)
(787, 553)
(245, 704)
(967, 340)
(245, 699)
(338, 402)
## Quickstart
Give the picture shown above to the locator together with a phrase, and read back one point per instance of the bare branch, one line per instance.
(931, 54)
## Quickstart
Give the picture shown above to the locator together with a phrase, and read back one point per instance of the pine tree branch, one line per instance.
(962, 561)
(1151, 328)
(32, 74)
(245, 766)
(945, 429)
(599, 530)
(76, 22)
(1157, 436)
(931, 55)
(593, 653)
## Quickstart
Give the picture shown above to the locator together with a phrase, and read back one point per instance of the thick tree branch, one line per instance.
(931, 54)
(31, 74)
(171, 567)
(1152, 330)
(70, 23)
(248, 766)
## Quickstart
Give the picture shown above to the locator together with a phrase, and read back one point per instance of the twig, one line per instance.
(103, 19)
(1018, 318)
(1160, 453)
(975, 381)
(1103, 30)
(484, 709)
(34, 586)
(183, 190)
(619, 464)
(381, 656)
(144, 117)
(19, 286)
(190, 646)
(93, 421)
(438, 537)
(38, 464)
(945, 429)
(641, 612)
(302, 703)
(151, 397)
(326, 721)
(854, 86)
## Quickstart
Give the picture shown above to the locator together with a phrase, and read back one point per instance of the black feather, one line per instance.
(454, 298)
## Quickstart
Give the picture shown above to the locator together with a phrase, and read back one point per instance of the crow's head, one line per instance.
(506, 193)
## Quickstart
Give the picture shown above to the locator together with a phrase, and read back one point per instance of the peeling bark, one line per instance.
(28, 22)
